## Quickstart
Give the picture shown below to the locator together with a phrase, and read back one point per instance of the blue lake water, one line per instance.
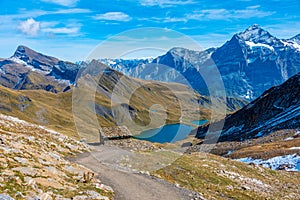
(199, 122)
(168, 133)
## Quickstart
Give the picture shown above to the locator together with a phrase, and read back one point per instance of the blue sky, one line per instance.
(70, 29)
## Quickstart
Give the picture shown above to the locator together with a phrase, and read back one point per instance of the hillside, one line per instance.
(215, 177)
(33, 164)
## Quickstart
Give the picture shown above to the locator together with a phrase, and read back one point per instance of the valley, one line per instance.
(162, 134)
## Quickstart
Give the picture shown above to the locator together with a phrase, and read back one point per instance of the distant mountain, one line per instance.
(40, 89)
(28, 69)
(276, 109)
(50, 65)
(177, 65)
(250, 63)
(254, 60)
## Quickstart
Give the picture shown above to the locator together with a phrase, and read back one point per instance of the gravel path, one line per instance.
(129, 185)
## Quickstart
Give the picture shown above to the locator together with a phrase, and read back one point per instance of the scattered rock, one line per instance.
(95, 195)
(26, 170)
(33, 159)
(5, 197)
(21, 160)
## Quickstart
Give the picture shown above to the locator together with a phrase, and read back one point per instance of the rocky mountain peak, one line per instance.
(20, 51)
(257, 34)
(33, 58)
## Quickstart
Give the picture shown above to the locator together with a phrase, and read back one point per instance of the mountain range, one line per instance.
(249, 63)
(40, 89)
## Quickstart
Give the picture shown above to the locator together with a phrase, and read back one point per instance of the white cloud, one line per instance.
(253, 7)
(62, 30)
(62, 2)
(113, 16)
(71, 11)
(29, 27)
(165, 3)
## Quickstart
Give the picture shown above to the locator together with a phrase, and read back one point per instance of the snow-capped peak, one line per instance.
(256, 34)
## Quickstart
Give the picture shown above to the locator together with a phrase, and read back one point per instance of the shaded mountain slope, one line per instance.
(276, 109)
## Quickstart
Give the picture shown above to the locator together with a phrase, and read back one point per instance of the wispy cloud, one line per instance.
(71, 28)
(113, 16)
(70, 11)
(29, 27)
(253, 7)
(63, 30)
(213, 14)
(165, 3)
(175, 19)
(223, 14)
(164, 19)
(38, 13)
(62, 2)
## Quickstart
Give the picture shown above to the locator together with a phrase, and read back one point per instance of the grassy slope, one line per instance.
(41, 107)
(55, 110)
(220, 178)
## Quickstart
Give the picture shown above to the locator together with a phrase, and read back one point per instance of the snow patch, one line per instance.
(289, 138)
(18, 60)
(229, 152)
(292, 162)
(248, 95)
(295, 148)
(255, 45)
(292, 44)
